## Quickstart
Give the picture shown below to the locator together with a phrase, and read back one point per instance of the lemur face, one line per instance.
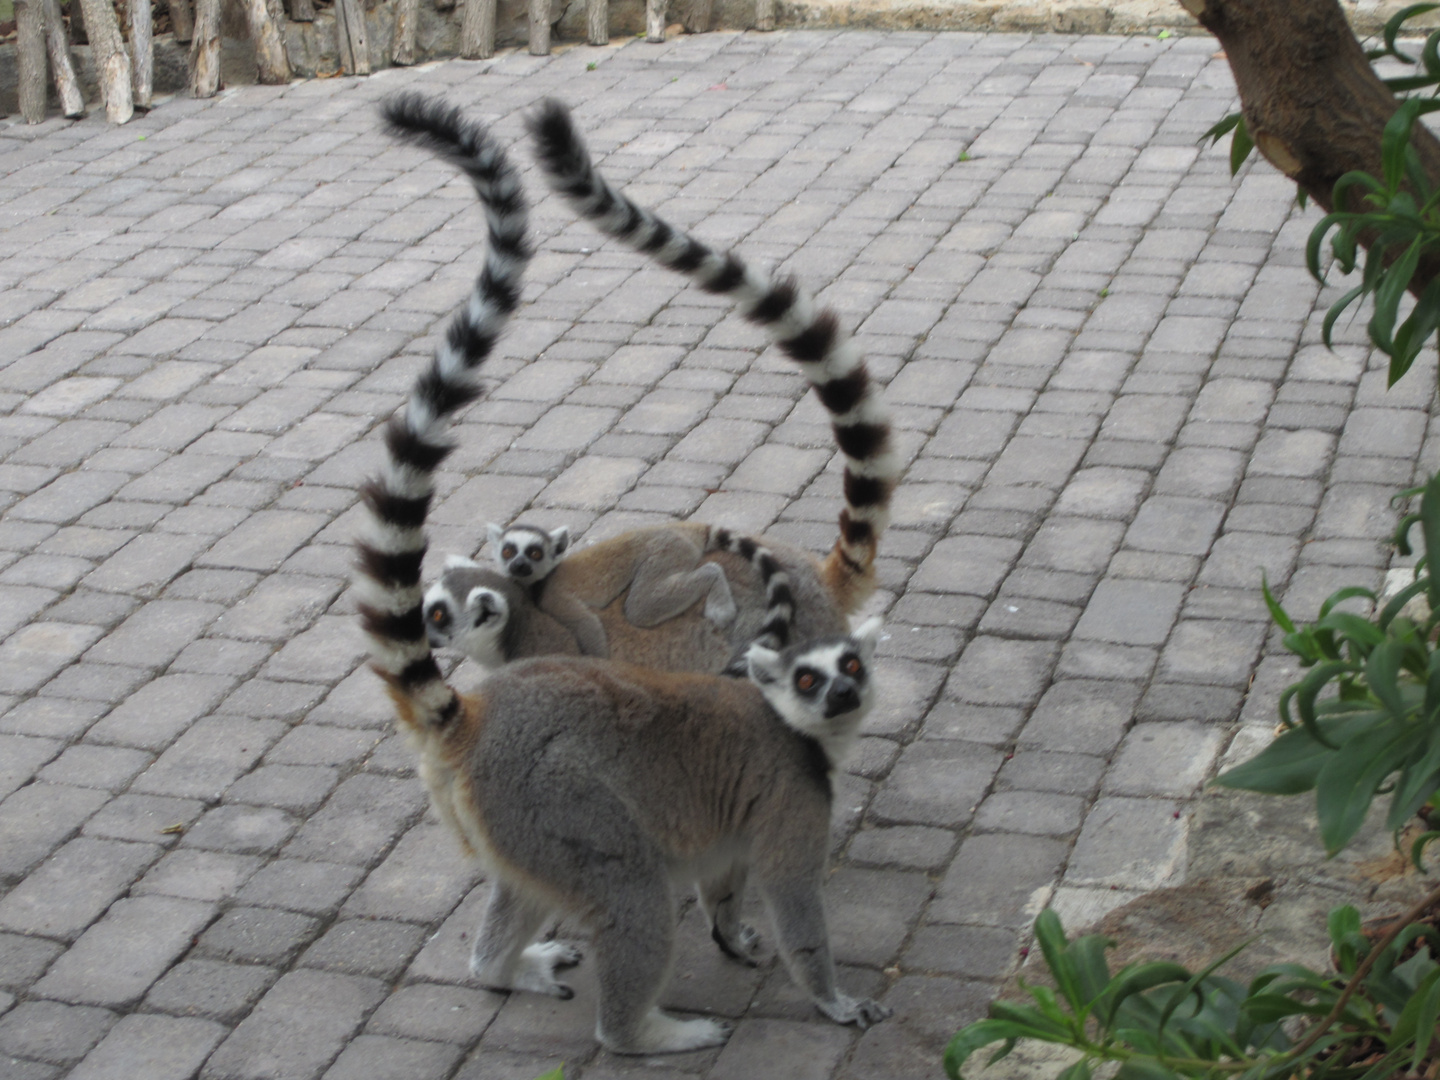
(820, 688)
(463, 613)
(526, 553)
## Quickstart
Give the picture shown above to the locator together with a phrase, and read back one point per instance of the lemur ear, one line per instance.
(867, 635)
(454, 562)
(495, 532)
(560, 538)
(764, 665)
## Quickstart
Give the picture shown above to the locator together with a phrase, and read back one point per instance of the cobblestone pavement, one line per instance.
(1104, 358)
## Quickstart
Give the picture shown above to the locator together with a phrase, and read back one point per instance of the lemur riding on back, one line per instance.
(636, 596)
(592, 786)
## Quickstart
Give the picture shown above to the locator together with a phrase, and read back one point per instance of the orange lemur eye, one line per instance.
(535, 554)
(851, 665)
(508, 551)
(438, 616)
(805, 681)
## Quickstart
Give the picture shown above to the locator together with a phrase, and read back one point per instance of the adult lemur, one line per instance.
(777, 589)
(591, 786)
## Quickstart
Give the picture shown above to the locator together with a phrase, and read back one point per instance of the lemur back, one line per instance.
(589, 785)
(779, 591)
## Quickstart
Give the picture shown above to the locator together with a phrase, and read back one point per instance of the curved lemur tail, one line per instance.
(779, 595)
(812, 336)
(394, 543)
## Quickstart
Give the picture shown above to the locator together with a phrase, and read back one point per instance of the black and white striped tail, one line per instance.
(779, 595)
(829, 358)
(394, 543)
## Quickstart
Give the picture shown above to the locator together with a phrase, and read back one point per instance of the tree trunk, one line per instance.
(270, 60)
(142, 48)
(72, 101)
(112, 63)
(764, 14)
(302, 10)
(477, 30)
(205, 50)
(406, 14)
(30, 54)
(597, 22)
(351, 37)
(654, 20)
(539, 27)
(1312, 103)
(182, 21)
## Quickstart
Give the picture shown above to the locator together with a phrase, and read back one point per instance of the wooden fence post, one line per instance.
(351, 37)
(407, 12)
(182, 20)
(142, 47)
(539, 27)
(764, 14)
(654, 20)
(30, 54)
(477, 30)
(72, 101)
(205, 49)
(597, 22)
(112, 62)
(271, 64)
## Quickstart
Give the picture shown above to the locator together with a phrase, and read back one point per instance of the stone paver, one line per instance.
(1104, 358)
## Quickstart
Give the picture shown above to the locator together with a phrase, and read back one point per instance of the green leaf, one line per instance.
(1289, 765)
(1138, 1068)
(1336, 310)
(1382, 674)
(557, 1073)
(1091, 969)
(1417, 849)
(1396, 22)
(1393, 286)
(1417, 1022)
(1347, 783)
(972, 1037)
(1079, 1071)
(1226, 124)
(1240, 146)
(1277, 612)
(1430, 530)
(1051, 936)
(1137, 979)
(1339, 596)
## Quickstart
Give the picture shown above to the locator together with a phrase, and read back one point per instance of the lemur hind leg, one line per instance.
(505, 955)
(721, 897)
(632, 951)
(670, 579)
(580, 619)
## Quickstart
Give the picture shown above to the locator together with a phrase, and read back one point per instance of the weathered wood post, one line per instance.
(351, 37)
(407, 13)
(112, 62)
(654, 20)
(539, 27)
(142, 48)
(205, 49)
(270, 61)
(597, 22)
(764, 14)
(302, 10)
(62, 68)
(477, 30)
(30, 54)
(182, 20)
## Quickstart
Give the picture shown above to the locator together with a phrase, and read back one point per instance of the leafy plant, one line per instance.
(1159, 1021)
(1383, 225)
(1380, 731)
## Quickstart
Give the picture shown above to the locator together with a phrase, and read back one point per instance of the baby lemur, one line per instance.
(776, 589)
(592, 786)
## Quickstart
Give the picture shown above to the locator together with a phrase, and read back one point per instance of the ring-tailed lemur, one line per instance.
(591, 786)
(779, 590)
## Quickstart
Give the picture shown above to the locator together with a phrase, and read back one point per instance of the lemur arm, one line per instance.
(670, 579)
(577, 617)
